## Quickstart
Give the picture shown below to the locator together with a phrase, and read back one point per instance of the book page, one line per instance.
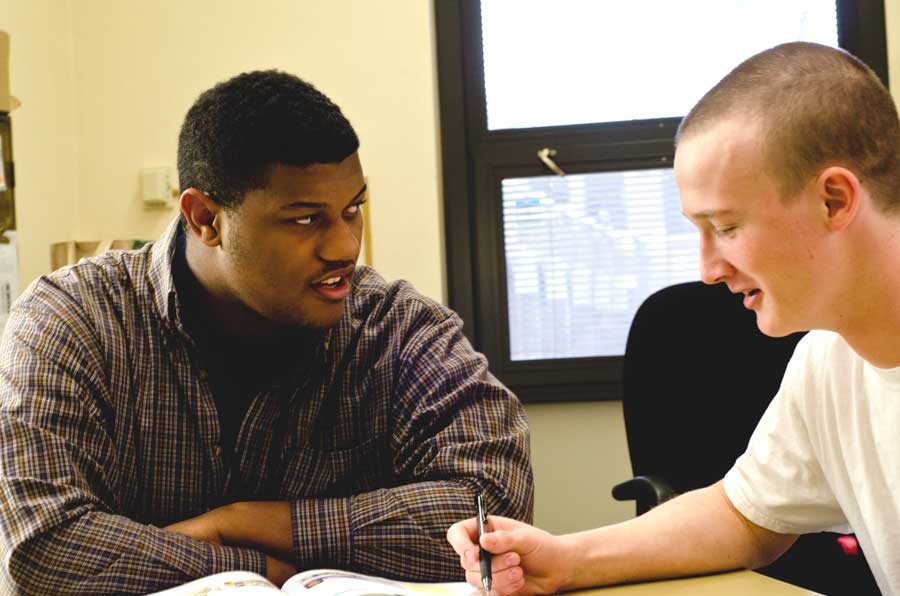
(232, 583)
(332, 582)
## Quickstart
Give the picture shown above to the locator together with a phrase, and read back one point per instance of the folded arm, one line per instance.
(62, 531)
(456, 431)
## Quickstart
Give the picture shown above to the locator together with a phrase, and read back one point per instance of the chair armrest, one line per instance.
(646, 491)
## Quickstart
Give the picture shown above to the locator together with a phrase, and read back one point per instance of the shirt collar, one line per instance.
(160, 273)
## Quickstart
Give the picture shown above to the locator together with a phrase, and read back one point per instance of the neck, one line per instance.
(220, 308)
(868, 313)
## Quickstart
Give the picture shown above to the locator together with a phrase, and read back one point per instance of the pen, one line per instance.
(484, 555)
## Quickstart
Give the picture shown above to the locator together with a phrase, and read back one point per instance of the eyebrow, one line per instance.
(312, 205)
(709, 214)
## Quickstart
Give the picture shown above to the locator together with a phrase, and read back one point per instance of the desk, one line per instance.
(735, 583)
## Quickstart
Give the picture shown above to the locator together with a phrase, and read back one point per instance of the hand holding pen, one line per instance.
(524, 560)
(483, 555)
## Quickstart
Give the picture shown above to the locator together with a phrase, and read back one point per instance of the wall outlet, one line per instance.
(157, 187)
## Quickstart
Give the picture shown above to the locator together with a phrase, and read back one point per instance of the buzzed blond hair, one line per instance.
(816, 106)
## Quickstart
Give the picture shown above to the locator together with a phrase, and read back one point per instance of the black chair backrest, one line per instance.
(698, 375)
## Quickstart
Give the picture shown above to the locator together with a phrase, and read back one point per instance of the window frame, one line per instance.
(475, 160)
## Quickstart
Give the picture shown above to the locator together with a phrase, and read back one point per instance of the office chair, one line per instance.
(698, 375)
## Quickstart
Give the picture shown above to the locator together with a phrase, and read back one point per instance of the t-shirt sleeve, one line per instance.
(778, 482)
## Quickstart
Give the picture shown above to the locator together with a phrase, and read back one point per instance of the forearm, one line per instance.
(402, 530)
(125, 558)
(390, 533)
(262, 525)
(698, 532)
(398, 531)
(60, 537)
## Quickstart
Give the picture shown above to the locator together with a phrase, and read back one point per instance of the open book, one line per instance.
(315, 582)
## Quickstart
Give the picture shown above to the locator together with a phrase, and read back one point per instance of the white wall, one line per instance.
(579, 452)
(44, 140)
(105, 84)
(139, 65)
(892, 25)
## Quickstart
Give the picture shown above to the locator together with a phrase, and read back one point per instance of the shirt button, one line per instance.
(218, 451)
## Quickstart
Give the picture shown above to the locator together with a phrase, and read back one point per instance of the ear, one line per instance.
(201, 213)
(840, 192)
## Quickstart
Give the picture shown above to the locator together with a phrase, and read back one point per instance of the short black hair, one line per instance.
(236, 131)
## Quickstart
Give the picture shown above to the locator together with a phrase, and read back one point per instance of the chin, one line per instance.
(317, 320)
(772, 326)
(322, 325)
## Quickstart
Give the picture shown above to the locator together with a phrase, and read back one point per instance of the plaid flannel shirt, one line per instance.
(109, 431)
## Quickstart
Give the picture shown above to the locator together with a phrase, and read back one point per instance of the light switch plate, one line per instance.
(157, 187)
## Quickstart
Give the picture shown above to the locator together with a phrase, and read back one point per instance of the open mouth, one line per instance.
(331, 282)
(752, 297)
(334, 288)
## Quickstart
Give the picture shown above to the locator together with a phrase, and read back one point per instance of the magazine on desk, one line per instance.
(315, 582)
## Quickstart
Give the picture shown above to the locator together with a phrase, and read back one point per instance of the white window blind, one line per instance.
(549, 63)
(583, 251)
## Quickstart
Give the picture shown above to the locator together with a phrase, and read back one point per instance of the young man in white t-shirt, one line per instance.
(790, 169)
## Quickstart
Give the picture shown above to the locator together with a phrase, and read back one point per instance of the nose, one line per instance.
(340, 243)
(714, 268)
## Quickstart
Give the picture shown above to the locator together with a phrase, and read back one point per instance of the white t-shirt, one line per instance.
(826, 454)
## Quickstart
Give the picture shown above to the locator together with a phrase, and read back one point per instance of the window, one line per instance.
(542, 65)
(579, 249)
(547, 270)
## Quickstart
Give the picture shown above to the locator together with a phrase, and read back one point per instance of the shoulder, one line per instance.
(88, 292)
(375, 299)
(818, 344)
(820, 377)
(394, 318)
(820, 354)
